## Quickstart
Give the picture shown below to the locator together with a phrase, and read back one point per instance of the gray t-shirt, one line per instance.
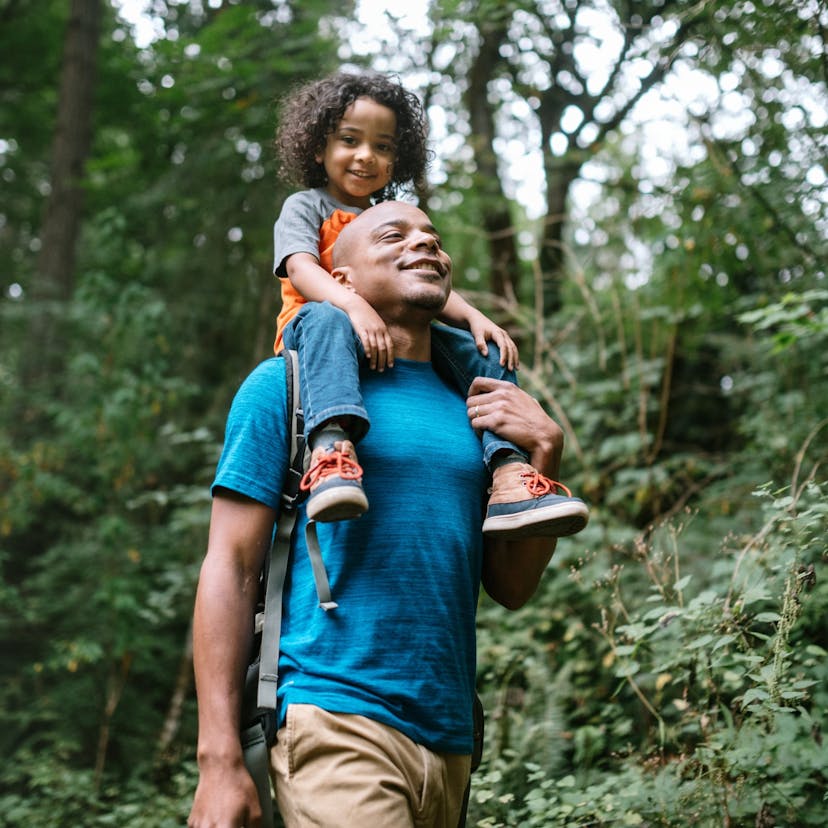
(297, 228)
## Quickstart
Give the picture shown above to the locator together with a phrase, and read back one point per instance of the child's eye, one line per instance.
(347, 139)
(389, 148)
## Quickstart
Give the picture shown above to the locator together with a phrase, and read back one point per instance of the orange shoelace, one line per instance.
(336, 462)
(537, 485)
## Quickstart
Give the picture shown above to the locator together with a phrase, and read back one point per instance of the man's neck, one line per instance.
(411, 344)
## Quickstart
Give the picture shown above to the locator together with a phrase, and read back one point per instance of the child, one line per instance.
(353, 140)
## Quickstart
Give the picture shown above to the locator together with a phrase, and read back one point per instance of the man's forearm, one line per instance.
(240, 532)
(222, 635)
(512, 569)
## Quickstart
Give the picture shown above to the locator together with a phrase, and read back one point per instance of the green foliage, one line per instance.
(705, 699)
(105, 468)
(677, 675)
(58, 795)
(796, 318)
(672, 667)
(116, 494)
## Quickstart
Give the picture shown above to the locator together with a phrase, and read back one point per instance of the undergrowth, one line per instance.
(701, 704)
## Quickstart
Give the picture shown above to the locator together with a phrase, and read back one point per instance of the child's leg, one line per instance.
(522, 501)
(457, 360)
(329, 358)
(335, 417)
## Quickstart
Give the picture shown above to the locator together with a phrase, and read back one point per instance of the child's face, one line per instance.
(359, 154)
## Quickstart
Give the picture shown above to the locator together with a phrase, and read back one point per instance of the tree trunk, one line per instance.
(559, 178)
(63, 210)
(559, 172)
(497, 219)
(184, 679)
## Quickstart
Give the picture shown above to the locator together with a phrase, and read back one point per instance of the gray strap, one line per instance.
(280, 551)
(320, 576)
(257, 763)
(272, 626)
(280, 554)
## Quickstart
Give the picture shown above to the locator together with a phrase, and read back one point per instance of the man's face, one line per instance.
(396, 262)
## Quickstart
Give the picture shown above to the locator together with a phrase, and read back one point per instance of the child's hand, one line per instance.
(373, 333)
(483, 330)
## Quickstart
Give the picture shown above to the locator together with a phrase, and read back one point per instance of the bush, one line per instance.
(702, 702)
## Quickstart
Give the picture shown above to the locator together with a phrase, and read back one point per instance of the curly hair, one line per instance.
(312, 111)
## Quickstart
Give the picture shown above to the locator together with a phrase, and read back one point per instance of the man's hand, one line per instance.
(484, 330)
(225, 798)
(502, 407)
(372, 332)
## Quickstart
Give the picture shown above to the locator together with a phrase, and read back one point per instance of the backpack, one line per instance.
(258, 715)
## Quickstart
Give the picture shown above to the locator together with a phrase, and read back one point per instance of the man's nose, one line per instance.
(419, 238)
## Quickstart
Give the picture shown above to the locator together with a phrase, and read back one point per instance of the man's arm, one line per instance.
(240, 533)
(512, 569)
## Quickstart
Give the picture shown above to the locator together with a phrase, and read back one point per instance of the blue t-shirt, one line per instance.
(400, 647)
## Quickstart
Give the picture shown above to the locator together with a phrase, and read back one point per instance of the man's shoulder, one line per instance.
(264, 387)
(267, 369)
(255, 454)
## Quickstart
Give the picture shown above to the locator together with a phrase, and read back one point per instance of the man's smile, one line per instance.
(431, 265)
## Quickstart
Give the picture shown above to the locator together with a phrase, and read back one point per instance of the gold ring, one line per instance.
(477, 411)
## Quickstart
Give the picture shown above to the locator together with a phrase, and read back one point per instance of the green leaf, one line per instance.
(753, 695)
(682, 583)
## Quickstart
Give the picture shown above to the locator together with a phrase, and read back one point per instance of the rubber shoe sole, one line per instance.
(550, 516)
(337, 500)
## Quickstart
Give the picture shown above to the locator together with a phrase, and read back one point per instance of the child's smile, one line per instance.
(359, 154)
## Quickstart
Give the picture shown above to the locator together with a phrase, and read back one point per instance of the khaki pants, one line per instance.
(335, 771)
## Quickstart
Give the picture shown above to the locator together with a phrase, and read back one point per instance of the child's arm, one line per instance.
(316, 285)
(460, 314)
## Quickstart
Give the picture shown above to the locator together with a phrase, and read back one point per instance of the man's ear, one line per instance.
(343, 276)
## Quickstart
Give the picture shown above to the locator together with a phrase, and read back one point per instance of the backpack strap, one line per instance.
(320, 576)
(280, 549)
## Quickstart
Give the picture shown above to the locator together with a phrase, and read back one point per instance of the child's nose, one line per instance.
(364, 152)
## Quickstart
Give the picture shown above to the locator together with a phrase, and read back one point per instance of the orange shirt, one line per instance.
(292, 300)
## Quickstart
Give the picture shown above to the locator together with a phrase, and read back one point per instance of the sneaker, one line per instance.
(334, 481)
(523, 503)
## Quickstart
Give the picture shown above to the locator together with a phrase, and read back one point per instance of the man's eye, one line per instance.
(393, 236)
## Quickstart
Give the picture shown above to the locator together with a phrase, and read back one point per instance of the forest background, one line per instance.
(636, 189)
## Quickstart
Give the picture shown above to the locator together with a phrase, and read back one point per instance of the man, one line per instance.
(375, 697)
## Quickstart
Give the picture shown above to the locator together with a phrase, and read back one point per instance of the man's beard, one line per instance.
(430, 301)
